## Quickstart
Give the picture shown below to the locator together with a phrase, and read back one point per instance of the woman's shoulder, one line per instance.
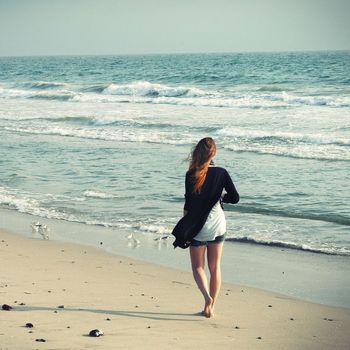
(218, 169)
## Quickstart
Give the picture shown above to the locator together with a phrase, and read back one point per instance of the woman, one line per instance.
(203, 225)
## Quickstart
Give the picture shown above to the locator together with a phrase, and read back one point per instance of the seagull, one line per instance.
(41, 229)
(132, 238)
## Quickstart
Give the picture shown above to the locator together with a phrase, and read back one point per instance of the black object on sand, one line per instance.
(7, 307)
(29, 325)
(95, 333)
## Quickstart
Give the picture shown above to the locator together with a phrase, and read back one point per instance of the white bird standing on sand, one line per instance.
(41, 229)
(132, 238)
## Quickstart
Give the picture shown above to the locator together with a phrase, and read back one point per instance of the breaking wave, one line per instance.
(154, 93)
(290, 245)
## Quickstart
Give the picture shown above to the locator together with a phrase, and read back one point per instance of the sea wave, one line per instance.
(61, 95)
(41, 85)
(320, 153)
(99, 194)
(160, 137)
(285, 137)
(145, 88)
(290, 245)
(34, 204)
(125, 132)
(251, 209)
(155, 93)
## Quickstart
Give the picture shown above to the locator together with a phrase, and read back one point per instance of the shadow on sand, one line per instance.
(161, 316)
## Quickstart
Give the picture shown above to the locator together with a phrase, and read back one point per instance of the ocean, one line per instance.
(104, 140)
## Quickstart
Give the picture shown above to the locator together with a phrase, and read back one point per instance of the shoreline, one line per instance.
(141, 305)
(308, 276)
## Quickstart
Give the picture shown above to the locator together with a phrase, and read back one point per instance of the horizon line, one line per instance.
(176, 53)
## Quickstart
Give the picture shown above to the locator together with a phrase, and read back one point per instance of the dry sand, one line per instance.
(143, 306)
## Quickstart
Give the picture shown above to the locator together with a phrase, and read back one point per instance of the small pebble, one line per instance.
(6, 307)
(258, 338)
(101, 243)
(237, 327)
(269, 305)
(29, 325)
(292, 319)
(68, 326)
(30, 332)
(40, 340)
(55, 311)
(60, 306)
(22, 304)
(108, 319)
(95, 333)
(149, 327)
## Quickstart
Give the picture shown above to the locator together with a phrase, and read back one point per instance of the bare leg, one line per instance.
(214, 263)
(198, 260)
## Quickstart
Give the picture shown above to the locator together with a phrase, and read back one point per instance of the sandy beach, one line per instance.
(140, 305)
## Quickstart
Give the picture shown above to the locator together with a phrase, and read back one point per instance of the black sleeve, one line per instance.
(187, 192)
(232, 195)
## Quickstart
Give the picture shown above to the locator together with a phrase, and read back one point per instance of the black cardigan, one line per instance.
(198, 206)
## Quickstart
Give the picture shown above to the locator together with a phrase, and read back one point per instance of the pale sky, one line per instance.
(74, 27)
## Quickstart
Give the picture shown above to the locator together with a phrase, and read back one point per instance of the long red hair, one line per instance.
(201, 156)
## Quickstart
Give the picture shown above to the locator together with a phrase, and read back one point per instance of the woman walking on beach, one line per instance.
(203, 225)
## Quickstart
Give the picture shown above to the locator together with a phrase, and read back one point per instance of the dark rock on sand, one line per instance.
(7, 307)
(237, 327)
(40, 340)
(60, 306)
(258, 337)
(29, 325)
(95, 333)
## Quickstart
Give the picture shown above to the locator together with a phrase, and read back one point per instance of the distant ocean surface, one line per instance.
(103, 140)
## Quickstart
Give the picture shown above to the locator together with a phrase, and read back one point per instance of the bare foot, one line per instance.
(207, 312)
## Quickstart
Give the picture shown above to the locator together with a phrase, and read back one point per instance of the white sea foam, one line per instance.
(251, 134)
(25, 202)
(98, 194)
(42, 84)
(145, 88)
(146, 92)
(330, 152)
(167, 137)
